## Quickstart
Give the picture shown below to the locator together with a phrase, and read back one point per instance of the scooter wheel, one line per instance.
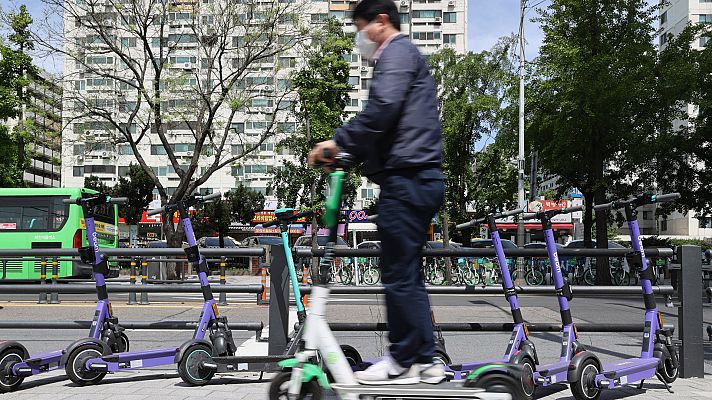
(668, 369)
(500, 383)
(8, 381)
(76, 365)
(190, 366)
(352, 355)
(585, 387)
(121, 345)
(441, 357)
(279, 388)
(527, 380)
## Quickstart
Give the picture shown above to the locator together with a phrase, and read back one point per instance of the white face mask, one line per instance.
(366, 46)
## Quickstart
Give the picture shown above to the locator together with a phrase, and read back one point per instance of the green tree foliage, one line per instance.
(237, 205)
(322, 87)
(596, 99)
(472, 94)
(93, 182)
(15, 67)
(138, 188)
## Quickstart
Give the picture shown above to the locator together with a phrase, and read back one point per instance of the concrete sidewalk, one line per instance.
(165, 383)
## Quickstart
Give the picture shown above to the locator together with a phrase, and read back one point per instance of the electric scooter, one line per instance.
(658, 356)
(306, 373)
(520, 349)
(225, 364)
(574, 355)
(15, 362)
(88, 360)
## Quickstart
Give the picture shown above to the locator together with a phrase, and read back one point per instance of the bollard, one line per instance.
(278, 301)
(262, 298)
(43, 281)
(305, 298)
(54, 296)
(144, 281)
(692, 363)
(223, 296)
(132, 282)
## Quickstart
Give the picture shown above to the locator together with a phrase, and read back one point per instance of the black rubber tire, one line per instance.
(528, 387)
(280, 385)
(669, 367)
(75, 369)
(534, 277)
(584, 388)
(8, 358)
(499, 382)
(122, 345)
(589, 278)
(352, 355)
(440, 356)
(189, 365)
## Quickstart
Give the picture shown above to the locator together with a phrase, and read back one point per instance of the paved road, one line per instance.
(343, 308)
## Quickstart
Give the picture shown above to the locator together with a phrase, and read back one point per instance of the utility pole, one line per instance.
(520, 158)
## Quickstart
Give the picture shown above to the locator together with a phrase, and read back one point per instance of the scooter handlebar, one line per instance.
(639, 200)
(527, 216)
(110, 200)
(155, 211)
(666, 197)
(482, 220)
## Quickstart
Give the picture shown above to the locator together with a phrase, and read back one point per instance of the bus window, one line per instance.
(33, 214)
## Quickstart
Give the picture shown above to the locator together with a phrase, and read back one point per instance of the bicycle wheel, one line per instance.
(534, 277)
(371, 275)
(469, 277)
(437, 275)
(345, 273)
(589, 277)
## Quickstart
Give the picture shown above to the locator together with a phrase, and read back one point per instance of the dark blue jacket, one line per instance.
(400, 127)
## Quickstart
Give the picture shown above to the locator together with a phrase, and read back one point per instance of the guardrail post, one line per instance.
(262, 297)
(132, 281)
(690, 313)
(4, 269)
(305, 271)
(54, 296)
(223, 296)
(43, 281)
(144, 281)
(278, 301)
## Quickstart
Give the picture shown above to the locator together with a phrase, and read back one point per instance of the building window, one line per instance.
(365, 84)
(354, 103)
(704, 41)
(647, 215)
(158, 150)
(367, 193)
(426, 13)
(705, 222)
(78, 171)
(123, 171)
(354, 81)
(449, 39)
(450, 17)
(320, 17)
(127, 42)
(663, 225)
(426, 35)
(706, 18)
(404, 18)
(663, 17)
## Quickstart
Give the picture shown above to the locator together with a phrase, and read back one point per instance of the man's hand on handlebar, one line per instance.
(318, 155)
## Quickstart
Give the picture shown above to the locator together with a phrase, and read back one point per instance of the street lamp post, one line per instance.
(520, 158)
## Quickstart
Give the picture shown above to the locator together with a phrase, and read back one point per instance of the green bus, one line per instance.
(36, 218)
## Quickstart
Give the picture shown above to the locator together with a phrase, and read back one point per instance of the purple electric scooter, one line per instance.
(520, 349)
(574, 355)
(88, 361)
(658, 356)
(105, 333)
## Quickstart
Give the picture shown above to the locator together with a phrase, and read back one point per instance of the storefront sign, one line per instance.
(267, 216)
(356, 216)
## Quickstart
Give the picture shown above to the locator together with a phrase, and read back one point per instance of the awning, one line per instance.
(363, 227)
(534, 227)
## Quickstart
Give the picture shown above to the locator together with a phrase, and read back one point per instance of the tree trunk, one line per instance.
(588, 219)
(174, 239)
(603, 271)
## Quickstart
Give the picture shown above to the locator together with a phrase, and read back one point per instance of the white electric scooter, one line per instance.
(323, 366)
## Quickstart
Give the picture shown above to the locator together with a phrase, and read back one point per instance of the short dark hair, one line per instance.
(369, 9)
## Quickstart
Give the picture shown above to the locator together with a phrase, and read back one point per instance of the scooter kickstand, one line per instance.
(667, 385)
(640, 385)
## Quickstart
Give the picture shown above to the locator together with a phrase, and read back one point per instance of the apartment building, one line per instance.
(44, 115)
(88, 148)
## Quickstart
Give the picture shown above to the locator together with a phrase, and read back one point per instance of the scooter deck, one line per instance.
(444, 390)
(627, 371)
(248, 363)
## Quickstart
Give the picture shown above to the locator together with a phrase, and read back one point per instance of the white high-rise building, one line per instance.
(88, 150)
(673, 20)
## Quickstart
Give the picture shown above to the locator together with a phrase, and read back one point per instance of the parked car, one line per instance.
(213, 242)
(305, 242)
(260, 241)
